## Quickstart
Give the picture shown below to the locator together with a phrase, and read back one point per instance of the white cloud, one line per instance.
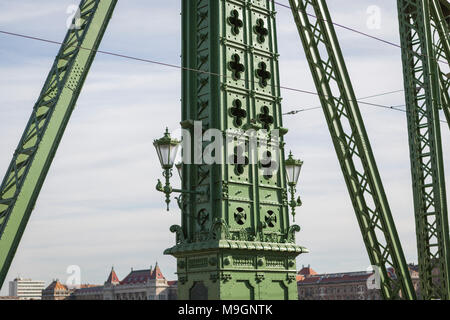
(14, 12)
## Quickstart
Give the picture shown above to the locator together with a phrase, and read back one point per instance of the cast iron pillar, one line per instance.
(235, 240)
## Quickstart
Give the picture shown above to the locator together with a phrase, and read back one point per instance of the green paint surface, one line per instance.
(234, 242)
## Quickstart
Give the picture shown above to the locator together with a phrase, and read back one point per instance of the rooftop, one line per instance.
(143, 276)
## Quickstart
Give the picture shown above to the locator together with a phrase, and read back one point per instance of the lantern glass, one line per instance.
(293, 173)
(167, 149)
(172, 154)
(293, 168)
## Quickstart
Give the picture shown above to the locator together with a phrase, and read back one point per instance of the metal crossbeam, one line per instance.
(352, 146)
(37, 147)
(424, 40)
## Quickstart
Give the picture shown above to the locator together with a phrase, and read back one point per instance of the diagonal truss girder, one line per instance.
(352, 146)
(37, 147)
(440, 20)
(423, 51)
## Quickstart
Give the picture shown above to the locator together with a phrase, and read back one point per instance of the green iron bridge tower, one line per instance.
(235, 240)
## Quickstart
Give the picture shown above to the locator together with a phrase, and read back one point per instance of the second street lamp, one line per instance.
(167, 149)
(293, 168)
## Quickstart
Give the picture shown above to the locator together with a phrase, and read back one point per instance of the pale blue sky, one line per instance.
(99, 207)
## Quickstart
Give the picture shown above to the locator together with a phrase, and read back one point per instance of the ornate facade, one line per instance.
(148, 284)
(343, 286)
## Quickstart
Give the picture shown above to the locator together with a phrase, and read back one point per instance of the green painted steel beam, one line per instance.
(37, 147)
(445, 88)
(421, 24)
(440, 19)
(235, 240)
(352, 146)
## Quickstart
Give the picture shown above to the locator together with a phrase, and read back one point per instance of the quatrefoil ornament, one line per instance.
(235, 22)
(271, 219)
(263, 74)
(236, 66)
(261, 31)
(239, 159)
(240, 216)
(238, 112)
(265, 118)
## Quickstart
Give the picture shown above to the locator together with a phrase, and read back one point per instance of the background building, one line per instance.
(88, 292)
(343, 286)
(56, 291)
(335, 286)
(147, 284)
(26, 289)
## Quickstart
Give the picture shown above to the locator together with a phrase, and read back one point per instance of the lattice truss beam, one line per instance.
(352, 146)
(440, 21)
(34, 154)
(425, 53)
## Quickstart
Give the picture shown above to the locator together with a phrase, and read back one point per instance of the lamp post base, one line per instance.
(237, 270)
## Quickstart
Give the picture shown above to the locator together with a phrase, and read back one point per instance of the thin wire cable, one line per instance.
(190, 69)
(346, 28)
(363, 98)
(356, 31)
(163, 63)
(395, 108)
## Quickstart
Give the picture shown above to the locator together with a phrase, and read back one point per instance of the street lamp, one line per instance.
(167, 149)
(293, 168)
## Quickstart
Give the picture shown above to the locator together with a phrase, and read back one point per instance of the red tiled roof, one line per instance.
(307, 271)
(113, 278)
(300, 277)
(156, 273)
(143, 276)
(138, 276)
(56, 285)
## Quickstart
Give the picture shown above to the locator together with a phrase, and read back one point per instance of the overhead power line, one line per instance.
(293, 112)
(196, 70)
(355, 31)
(158, 62)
